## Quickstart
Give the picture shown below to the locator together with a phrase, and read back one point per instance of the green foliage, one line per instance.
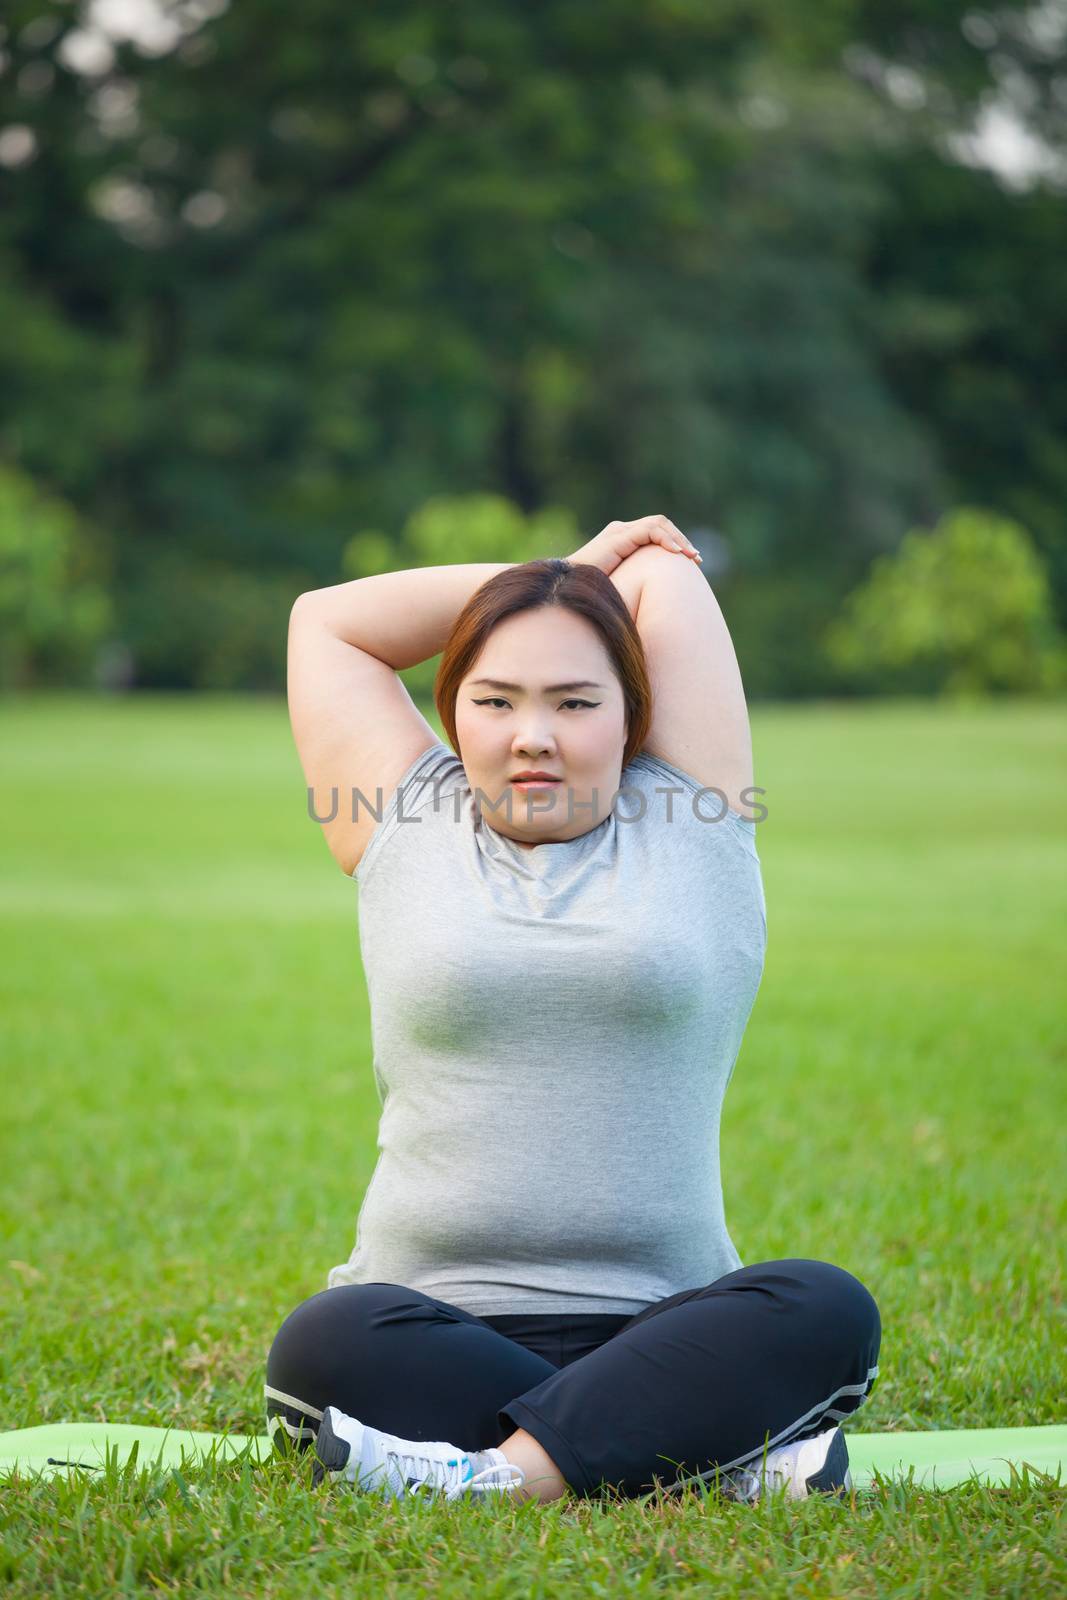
(461, 528)
(54, 611)
(775, 622)
(205, 625)
(964, 609)
(464, 528)
(712, 260)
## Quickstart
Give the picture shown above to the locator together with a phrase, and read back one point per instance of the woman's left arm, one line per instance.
(699, 718)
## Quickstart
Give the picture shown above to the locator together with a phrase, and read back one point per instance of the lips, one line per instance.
(535, 777)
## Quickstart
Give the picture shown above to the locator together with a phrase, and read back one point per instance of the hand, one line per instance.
(620, 539)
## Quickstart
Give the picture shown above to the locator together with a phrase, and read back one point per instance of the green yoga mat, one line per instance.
(931, 1460)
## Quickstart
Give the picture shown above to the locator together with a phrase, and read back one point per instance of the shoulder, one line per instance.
(701, 845)
(679, 793)
(436, 772)
(437, 764)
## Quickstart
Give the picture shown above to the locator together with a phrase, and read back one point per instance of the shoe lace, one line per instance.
(453, 1475)
(506, 1476)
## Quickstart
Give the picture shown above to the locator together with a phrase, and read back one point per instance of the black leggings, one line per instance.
(707, 1378)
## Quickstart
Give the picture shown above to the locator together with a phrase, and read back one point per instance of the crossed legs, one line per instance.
(705, 1379)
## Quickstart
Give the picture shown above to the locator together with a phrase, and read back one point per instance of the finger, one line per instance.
(672, 537)
(684, 543)
(660, 530)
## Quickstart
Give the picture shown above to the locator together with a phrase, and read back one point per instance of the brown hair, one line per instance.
(578, 587)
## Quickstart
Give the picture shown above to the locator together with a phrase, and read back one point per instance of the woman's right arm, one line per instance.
(400, 618)
(353, 720)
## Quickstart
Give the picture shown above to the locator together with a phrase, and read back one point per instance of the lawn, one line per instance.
(189, 1125)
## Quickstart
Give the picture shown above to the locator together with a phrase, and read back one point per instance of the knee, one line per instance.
(313, 1352)
(844, 1305)
(352, 1300)
(327, 1320)
(291, 1394)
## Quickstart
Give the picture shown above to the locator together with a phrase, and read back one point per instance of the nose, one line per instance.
(533, 741)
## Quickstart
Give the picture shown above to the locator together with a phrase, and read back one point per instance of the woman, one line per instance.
(562, 926)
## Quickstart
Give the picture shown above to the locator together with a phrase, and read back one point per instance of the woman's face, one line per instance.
(553, 705)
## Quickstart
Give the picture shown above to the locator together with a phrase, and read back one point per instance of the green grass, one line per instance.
(189, 1123)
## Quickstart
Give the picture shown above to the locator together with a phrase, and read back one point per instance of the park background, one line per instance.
(291, 296)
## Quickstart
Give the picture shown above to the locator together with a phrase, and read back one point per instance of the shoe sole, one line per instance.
(834, 1476)
(331, 1452)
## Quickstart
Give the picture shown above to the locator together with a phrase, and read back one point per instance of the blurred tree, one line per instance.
(472, 527)
(54, 610)
(964, 609)
(316, 268)
(192, 622)
(973, 326)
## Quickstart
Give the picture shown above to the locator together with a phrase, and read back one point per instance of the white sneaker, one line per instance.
(807, 1466)
(370, 1459)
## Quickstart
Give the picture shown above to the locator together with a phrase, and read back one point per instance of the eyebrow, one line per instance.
(550, 688)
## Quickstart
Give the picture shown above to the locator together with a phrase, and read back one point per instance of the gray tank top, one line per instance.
(553, 1030)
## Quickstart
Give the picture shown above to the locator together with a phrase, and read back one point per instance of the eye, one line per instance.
(497, 700)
